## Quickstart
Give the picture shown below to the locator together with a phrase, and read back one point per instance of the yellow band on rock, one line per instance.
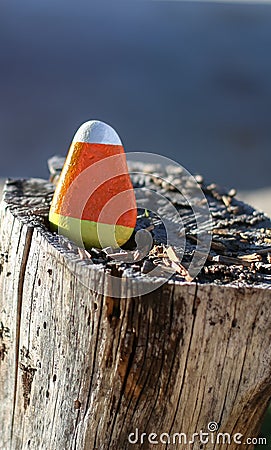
(90, 234)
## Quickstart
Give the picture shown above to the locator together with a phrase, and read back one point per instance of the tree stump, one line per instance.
(83, 369)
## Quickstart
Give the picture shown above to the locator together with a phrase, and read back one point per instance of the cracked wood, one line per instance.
(82, 370)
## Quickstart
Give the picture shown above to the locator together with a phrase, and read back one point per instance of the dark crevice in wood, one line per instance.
(123, 387)
(31, 297)
(162, 337)
(186, 362)
(117, 334)
(177, 341)
(195, 308)
(96, 346)
(131, 393)
(144, 369)
(113, 310)
(95, 447)
(248, 342)
(28, 239)
(229, 379)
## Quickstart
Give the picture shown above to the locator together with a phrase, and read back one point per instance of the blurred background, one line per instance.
(188, 80)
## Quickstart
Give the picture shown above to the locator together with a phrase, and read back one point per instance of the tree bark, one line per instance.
(82, 370)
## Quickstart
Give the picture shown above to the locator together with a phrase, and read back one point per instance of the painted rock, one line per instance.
(94, 202)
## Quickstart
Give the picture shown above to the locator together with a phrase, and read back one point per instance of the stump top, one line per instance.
(240, 252)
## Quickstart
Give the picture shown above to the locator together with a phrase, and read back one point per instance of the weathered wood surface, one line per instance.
(82, 370)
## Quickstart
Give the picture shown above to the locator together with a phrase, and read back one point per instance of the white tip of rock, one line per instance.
(96, 132)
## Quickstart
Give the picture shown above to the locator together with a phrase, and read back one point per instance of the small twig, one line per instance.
(252, 257)
(215, 245)
(262, 251)
(229, 260)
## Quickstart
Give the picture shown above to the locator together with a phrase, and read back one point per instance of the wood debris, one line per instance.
(241, 237)
(253, 257)
(216, 245)
(84, 254)
(176, 264)
(229, 260)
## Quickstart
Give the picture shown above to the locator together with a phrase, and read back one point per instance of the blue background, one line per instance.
(191, 81)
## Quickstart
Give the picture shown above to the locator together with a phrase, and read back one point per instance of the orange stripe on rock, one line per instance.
(93, 169)
(94, 189)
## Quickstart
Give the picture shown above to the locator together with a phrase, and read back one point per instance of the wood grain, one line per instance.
(81, 370)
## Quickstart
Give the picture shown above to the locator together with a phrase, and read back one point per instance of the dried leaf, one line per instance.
(176, 264)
